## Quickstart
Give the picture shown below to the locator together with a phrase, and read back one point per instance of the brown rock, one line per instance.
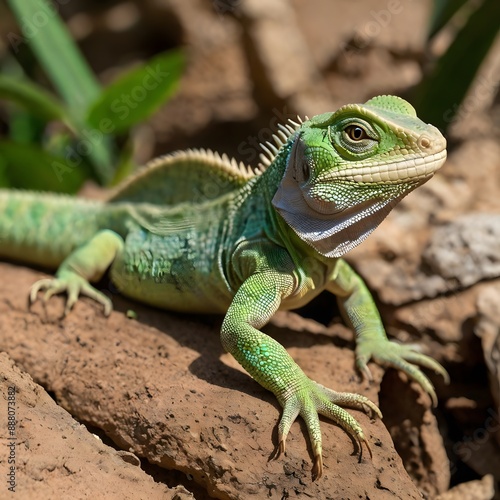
(483, 489)
(280, 60)
(444, 316)
(375, 23)
(50, 455)
(488, 330)
(415, 432)
(215, 86)
(163, 389)
(465, 251)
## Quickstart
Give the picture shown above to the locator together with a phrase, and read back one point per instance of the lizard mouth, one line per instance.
(415, 168)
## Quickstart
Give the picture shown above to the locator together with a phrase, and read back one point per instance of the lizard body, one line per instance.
(198, 232)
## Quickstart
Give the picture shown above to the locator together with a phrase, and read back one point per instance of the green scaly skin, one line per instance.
(195, 232)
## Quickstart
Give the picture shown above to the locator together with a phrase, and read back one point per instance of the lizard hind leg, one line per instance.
(87, 263)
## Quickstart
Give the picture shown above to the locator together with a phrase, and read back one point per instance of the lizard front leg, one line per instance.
(86, 263)
(267, 361)
(358, 307)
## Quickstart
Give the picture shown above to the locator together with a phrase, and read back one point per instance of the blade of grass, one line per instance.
(32, 97)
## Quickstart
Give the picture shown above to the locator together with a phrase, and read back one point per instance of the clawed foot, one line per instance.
(74, 285)
(313, 399)
(400, 356)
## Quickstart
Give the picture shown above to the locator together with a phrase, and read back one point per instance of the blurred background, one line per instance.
(89, 90)
(104, 86)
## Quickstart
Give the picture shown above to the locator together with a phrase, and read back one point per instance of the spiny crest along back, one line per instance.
(196, 175)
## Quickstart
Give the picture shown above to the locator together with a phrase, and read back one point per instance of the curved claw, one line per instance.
(404, 358)
(351, 400)
(368, 448)
(362, 366)
(415, 373)
(314, 399)
(427, 362)
(52, 291)
(279, 451)
(372, 409)
(74, 286)
(37, 286)
(317, 470)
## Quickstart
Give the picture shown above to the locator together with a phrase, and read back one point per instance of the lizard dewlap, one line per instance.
(195, 231)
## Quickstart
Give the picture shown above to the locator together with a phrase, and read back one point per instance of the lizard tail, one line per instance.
(43, 228)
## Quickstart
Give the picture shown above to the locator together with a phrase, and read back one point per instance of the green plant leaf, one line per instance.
(4, 181)
(137, 94)
(28, 166)
(438, 97)
(442, 12)
(25, 127)
(34, 98)
(125, 164)
(69, 72)
(52, 44)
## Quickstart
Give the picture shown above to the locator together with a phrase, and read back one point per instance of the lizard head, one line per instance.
(346, 170)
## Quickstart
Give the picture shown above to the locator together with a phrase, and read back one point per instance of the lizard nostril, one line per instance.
(424, 142)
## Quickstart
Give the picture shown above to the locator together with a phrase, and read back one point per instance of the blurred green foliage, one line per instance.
(440, 94)
(55, 142)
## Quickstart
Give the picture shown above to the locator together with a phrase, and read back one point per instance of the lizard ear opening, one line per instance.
(299, 164)
(305, 170)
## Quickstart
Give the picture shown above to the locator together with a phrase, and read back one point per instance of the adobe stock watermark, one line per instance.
(379, 21)
(469, 445)
(120, 108)
(31, 26)
(484, 89)
(12, 438)
(480, 436)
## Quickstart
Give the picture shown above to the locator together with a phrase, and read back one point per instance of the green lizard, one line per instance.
(195, 231)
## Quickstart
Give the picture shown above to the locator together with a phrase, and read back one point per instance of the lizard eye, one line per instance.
(356, 133)
(356, 137)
